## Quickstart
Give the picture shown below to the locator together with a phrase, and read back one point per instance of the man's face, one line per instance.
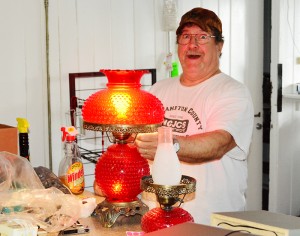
(196, 58)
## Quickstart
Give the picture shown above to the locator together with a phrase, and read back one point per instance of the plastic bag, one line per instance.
(17, 173)
(22, 196)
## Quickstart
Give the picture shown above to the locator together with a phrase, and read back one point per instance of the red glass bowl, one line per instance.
(158, 218)
(119, 171)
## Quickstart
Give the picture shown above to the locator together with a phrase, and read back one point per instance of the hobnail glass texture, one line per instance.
(158, 218)
(119, 171)
(123, 101)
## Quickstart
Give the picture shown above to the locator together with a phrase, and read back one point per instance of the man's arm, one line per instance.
(205, 147)
(197, 148)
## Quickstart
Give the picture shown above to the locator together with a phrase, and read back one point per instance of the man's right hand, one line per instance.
(146, 144)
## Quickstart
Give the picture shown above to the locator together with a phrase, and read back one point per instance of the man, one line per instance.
(211, 115)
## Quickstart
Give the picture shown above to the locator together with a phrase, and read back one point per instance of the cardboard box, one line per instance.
(260, 222)
(193, 229)
(9, 139)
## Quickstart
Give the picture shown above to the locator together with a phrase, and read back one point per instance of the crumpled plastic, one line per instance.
(17, 173)
(23, 196)
(88, 206)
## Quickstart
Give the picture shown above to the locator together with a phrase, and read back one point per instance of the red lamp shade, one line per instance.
(123, 102)
(123, 108)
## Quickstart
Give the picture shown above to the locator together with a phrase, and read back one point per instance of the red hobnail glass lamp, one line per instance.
(122, 109)
(168, 196)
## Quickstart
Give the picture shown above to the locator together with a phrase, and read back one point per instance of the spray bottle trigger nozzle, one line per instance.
(68, 132)
(64, 133)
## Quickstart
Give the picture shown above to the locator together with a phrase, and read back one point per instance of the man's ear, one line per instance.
(220, 47)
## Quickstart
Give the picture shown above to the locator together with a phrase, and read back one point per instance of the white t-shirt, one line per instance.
(217, 103)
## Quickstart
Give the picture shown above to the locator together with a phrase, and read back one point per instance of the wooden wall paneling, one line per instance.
(103, 42)
(211, 5)
(287, 195)
(86, 32)
(295, 208)
(144, 34)
(295, 191)
(253, 43)
(287, 118)
(275, 117)
(68, 39)
(296, 41)
(55, 86)
(86, 14)
(64, 59)
(122, 31)
(97, 39)
(12, 63)
(285, 160)
(70, 49)
(253, 79)
(238, 39)
(22, 67)
(225, 16)
(36, 83)
(287, 34)
(184, 6)
(161, 41)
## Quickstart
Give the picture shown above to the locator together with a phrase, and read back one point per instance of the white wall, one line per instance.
(285, 138)
(23, 72)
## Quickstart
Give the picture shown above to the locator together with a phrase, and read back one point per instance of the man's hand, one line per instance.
(147, 144)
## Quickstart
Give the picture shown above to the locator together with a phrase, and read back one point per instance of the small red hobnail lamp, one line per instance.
(167, 195)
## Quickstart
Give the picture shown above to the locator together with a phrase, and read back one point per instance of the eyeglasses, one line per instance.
(185, 39)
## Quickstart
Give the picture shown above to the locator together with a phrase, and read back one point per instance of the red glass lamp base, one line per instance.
(118, 172)
(158, 218)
